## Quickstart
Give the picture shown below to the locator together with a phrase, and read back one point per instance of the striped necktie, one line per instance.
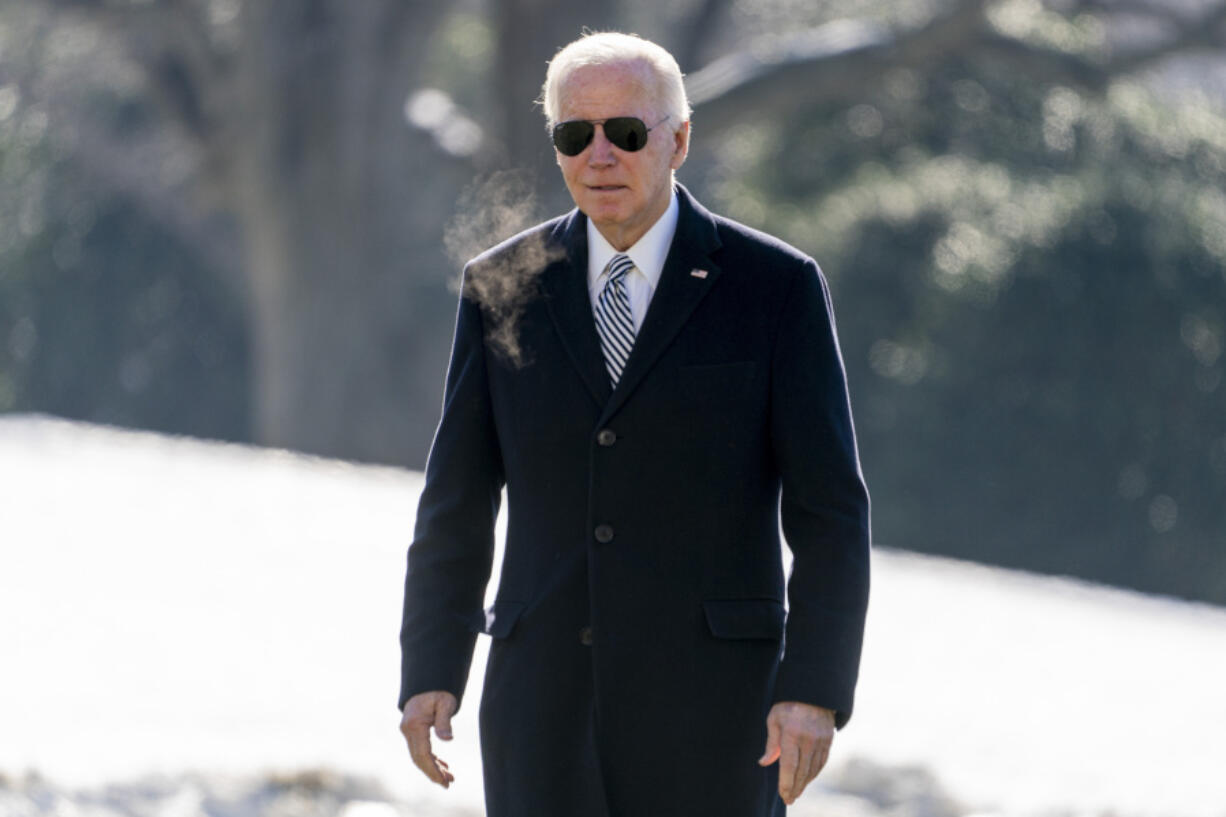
(614, 322)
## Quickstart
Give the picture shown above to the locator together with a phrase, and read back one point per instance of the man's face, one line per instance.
(622, 192)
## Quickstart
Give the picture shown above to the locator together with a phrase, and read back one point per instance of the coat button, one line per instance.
(606, 437)
(585, 636)
(604, 534)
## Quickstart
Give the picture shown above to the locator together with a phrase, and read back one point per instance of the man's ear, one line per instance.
(681, 146)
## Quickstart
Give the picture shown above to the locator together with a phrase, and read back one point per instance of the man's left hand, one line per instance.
(798, 735)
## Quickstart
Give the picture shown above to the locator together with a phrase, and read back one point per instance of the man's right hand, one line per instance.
(421, 712)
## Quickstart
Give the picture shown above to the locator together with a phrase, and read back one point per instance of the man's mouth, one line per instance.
(606, 188)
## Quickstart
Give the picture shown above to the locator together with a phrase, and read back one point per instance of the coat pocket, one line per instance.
(745, 618)
(498, 620)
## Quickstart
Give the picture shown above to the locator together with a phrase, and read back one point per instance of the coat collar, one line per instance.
(678, 293)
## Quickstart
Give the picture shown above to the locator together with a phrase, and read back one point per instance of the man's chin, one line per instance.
(604, 216)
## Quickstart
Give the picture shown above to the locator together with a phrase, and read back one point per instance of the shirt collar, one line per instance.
(648, 253)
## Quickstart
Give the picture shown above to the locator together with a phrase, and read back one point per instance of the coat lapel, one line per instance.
(566, 296)
(564, 283)
(676, 296)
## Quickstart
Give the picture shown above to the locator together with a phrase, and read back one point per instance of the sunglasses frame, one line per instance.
(592, 123)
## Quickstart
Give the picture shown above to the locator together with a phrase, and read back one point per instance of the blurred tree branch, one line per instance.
(1141, 8)
(846, 58)
(1208, 31)
(170, 40)
(837, 60)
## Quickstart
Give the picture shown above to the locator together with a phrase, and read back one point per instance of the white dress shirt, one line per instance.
(648, 255)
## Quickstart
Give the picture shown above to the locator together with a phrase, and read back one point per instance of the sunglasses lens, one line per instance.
(570, 138)
(626, 132)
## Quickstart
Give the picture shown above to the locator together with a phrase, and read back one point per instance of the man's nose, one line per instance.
(602, 149)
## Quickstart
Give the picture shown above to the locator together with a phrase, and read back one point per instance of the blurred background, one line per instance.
(244, 220)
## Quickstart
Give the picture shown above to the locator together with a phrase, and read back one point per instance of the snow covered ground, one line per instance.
(170, 605)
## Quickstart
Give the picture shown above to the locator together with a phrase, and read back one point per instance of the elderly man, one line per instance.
(657, 388)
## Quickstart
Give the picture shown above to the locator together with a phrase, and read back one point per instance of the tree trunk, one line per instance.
(344, 206)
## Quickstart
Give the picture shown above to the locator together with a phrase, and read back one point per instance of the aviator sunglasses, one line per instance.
(626, 132)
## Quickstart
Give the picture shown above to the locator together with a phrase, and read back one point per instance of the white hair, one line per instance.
(612, 48)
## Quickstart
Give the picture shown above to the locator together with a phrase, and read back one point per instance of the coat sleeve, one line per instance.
(450, 559)
(824, 507)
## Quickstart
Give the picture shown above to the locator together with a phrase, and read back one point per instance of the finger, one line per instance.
(800, 779)
(799, 766)
(417, 733)
(772, 743)
(817, 757)
(808, 747)
(444, 770)
(809, 765)
(419, 750)
(789, 757)
(820, 756)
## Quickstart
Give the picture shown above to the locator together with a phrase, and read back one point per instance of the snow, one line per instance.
(173, 605)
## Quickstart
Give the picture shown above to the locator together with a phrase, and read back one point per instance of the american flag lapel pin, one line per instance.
(698, 273)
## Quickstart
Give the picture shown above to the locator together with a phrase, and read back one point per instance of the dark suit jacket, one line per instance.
(639, 627)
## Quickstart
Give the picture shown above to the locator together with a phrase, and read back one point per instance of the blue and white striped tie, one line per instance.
(614, 322)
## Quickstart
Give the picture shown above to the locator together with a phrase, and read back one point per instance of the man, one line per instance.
(656, 387)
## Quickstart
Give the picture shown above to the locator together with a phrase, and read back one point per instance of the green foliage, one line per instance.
(103, 316)
(1032, 289)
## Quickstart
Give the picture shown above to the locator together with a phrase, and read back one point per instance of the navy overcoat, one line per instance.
(639, 631)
